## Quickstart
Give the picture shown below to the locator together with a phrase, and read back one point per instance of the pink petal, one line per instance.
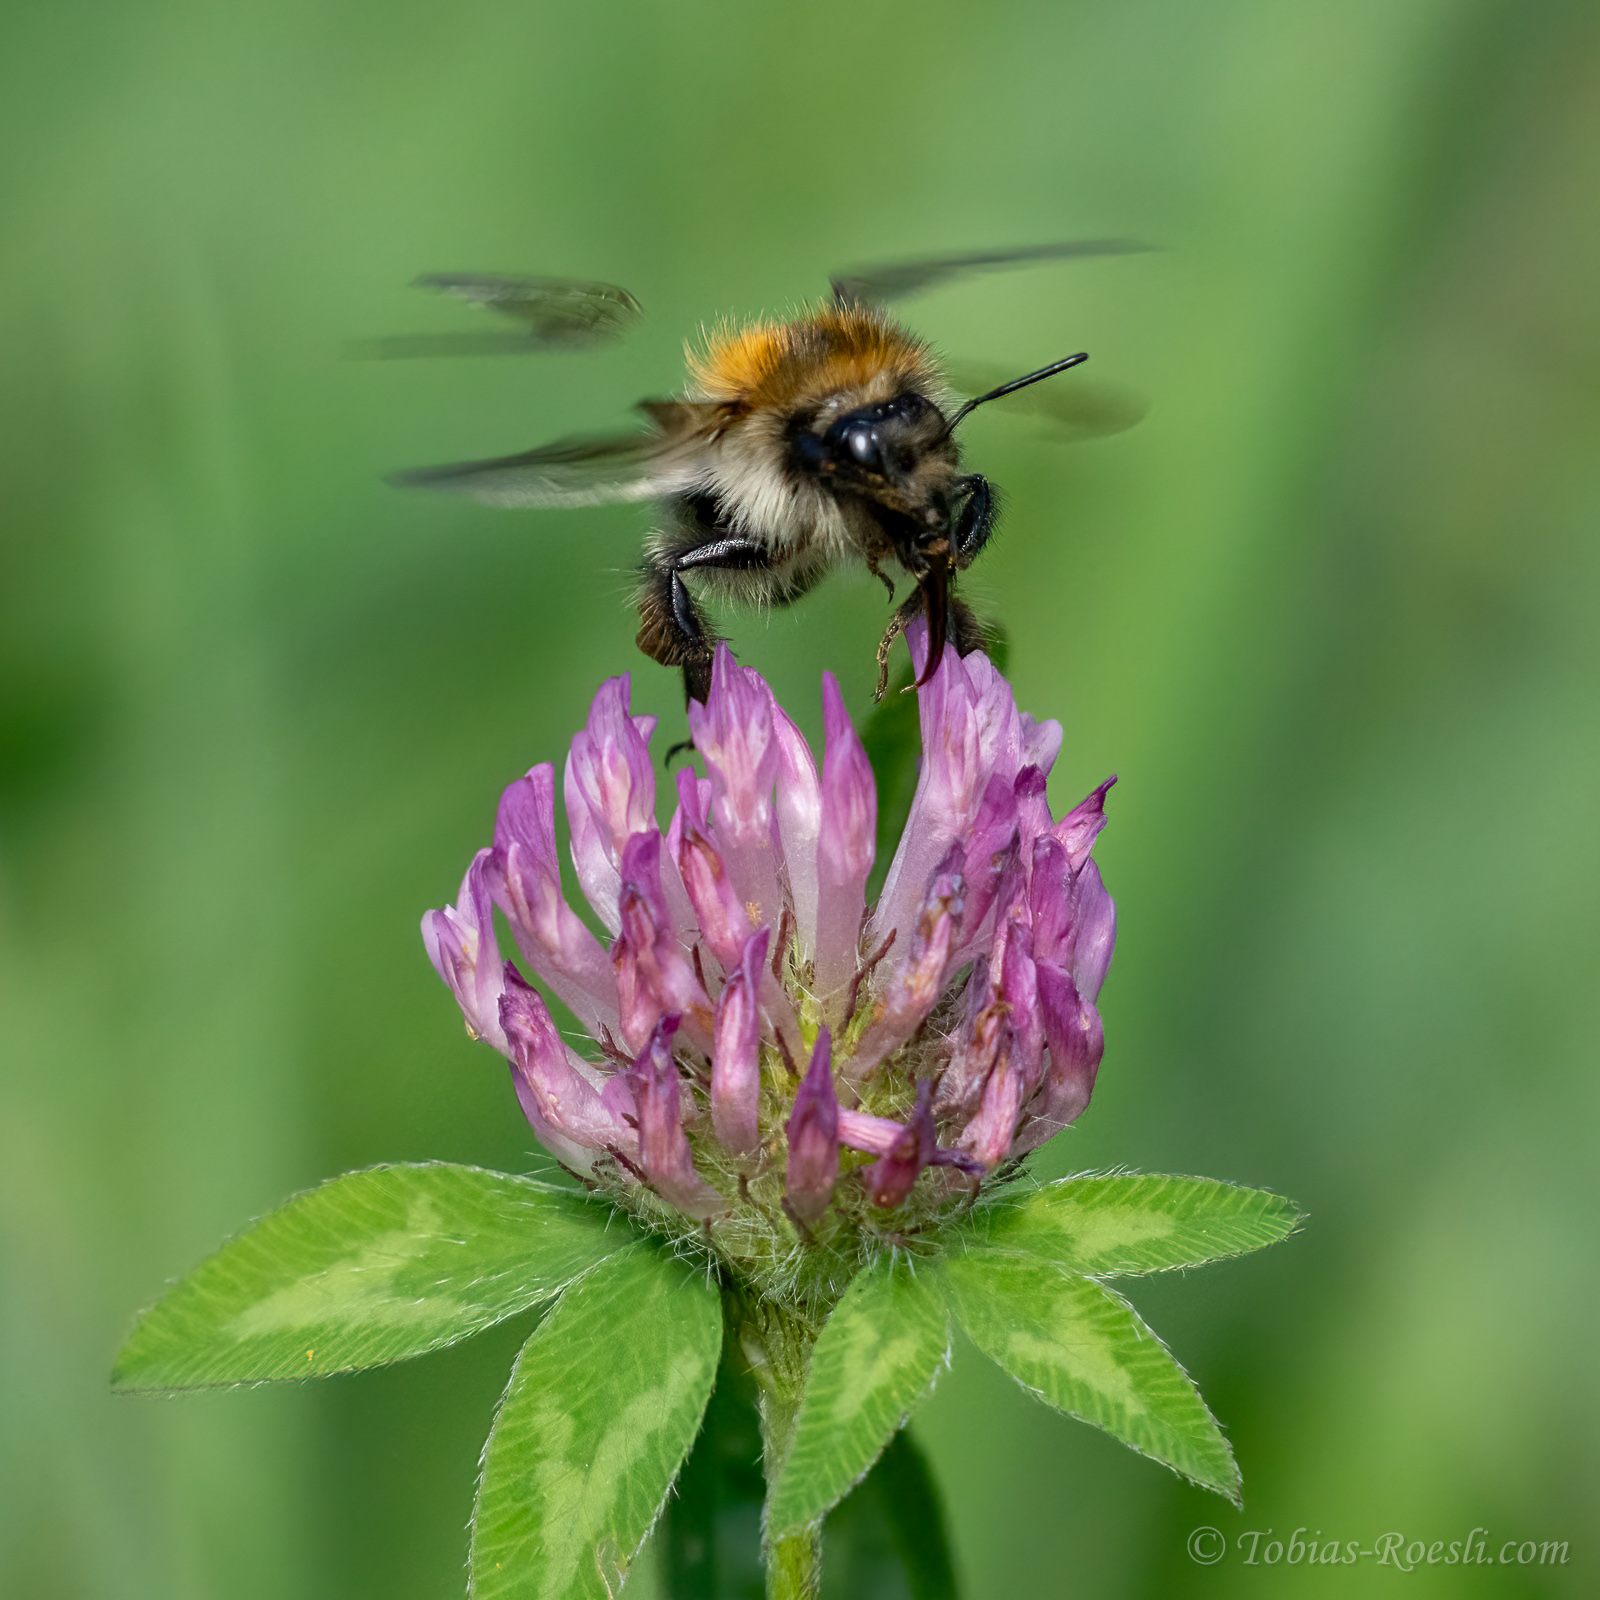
(1041, 743)
(894, 1173)
(610, 790)
(875, 1136)
(919, 979)
(989, 1135)
(1096, 931)
(845, 845)
(734, 733)
(524, 876)
(736, 1053)
(1076, 1041)
(461, 945)
(664, 1151)
(724, 923)
(971, 732)
(653, 975)
(799, 805)
(563, 1107)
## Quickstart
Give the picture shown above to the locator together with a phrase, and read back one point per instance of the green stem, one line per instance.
(794, 1565)
(778, 1347)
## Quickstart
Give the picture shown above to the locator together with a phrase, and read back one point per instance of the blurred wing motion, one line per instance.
(585, 471)
(557, 313)
(870, 286)
(1072, 410)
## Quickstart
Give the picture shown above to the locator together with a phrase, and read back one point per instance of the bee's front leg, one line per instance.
(976, 520)
(966, 631)
(910, 607)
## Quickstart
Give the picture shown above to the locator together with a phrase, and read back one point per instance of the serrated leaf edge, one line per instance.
(973, 1229)
(1234, 1495)
(121, 1387)
(640, 1242)
(941, 1366)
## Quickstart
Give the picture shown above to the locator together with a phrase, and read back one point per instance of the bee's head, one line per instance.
(897, 453)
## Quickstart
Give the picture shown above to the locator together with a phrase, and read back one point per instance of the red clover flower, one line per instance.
(765, 1045)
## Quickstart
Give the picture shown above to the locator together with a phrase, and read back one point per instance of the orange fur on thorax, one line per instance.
(833, 348)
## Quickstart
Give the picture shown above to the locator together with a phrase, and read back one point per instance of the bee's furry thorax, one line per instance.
(831, 349)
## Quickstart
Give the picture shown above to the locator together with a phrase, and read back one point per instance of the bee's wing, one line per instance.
(586, 471)
(870, 286)
(556, 313)
(1080, 409)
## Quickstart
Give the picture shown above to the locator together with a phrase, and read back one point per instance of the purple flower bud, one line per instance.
(563, 1107)
(813, 1132)
(845, 845)
(736, 1054)
(734, 732)
(610, 791)
(1078, 830)
(524, 877)
(461, 945)
(653, 975)
(891, 1176)
(664, 1151)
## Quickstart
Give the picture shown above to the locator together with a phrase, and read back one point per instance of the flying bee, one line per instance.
(798, 446)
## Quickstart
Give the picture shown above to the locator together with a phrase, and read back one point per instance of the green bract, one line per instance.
(609, 1392)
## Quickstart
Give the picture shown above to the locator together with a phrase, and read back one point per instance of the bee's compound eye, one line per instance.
(862, 443)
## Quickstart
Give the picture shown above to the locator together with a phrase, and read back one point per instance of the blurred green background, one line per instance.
(1330, 612)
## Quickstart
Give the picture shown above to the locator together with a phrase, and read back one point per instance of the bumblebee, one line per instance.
(798, 446)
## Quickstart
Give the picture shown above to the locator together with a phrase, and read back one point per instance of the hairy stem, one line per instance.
(794, 1565)
(778, 1347)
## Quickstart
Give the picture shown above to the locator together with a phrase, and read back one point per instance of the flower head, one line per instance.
(776, 1065)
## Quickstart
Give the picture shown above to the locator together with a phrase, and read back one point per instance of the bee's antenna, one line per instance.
(1015, 384)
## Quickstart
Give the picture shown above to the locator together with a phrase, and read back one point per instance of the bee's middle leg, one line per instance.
(672, 627)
